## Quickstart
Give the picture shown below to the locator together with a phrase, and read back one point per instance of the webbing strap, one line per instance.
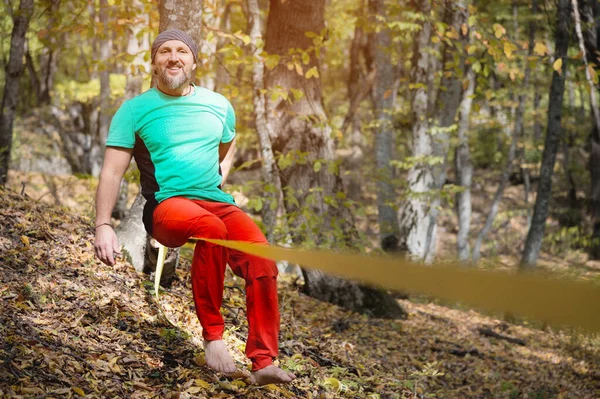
(554, 301)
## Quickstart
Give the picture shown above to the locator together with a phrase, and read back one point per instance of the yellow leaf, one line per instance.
(464, 29)
(312, 72)
(593, 74)
(78, 391)
(558, 65)
(202, 383)
(299, 69)
(540, 49)
(508, 49)
(25, 241)
(332, 383)
(499, 30)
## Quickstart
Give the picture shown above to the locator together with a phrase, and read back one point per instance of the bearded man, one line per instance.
(182, 137)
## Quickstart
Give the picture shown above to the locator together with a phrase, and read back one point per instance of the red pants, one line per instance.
(177, 219)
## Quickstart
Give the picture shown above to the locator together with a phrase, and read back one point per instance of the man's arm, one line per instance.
(226, 152)
(116, 162)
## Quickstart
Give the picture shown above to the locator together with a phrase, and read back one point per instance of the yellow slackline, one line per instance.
(553, 301)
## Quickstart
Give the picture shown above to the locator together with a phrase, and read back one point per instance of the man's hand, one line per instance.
(106, 244)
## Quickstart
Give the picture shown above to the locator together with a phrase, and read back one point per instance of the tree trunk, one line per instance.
(384, 98)
(182, 14)
(300, 132)
(590, 17)
(13, 72)
(222, 77)
(464, 171)
(33, 79)
(138, 44)
(104, 111)
(414, 215)
(447, 105)
(517, 134)
(557, 88)
(272, 188)
(359, 87)
(49, 58)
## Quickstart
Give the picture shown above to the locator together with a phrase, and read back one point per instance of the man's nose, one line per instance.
(173, 56)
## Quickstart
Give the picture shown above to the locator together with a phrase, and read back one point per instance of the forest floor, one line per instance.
(71, 326)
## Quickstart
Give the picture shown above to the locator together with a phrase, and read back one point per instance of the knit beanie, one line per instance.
(174, 34)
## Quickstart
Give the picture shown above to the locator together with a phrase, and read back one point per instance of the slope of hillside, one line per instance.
(73, 327)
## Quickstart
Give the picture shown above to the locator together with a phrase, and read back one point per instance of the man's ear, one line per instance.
(194, 67)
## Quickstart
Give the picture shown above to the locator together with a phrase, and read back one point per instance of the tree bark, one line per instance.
(464, 171)
(533, 243)
(138, 44)
(414, 215)
(272, 188)
(104, 111)
(300, 132)
(447, 104)
(49, 58)
(384, 99)
(13, 72)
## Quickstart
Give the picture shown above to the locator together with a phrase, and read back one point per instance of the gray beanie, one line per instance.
(174, 34)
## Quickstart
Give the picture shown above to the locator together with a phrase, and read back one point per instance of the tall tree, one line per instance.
(447, 104)
(535, 235)
(590, 18)
(414, 214)
(138, 45)
(464, 170)
(270, 173)
(13, 72)
(300, 132)
(384, 98)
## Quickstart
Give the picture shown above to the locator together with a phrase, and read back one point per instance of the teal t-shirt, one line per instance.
(182, 137)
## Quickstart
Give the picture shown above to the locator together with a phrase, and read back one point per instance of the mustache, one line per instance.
(174, 63)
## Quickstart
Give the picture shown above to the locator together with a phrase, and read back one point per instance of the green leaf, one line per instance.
(317, 166)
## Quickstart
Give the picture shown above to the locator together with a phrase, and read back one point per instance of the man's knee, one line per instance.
(209, 227)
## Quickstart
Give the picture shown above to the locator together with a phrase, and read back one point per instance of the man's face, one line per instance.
(174, 64)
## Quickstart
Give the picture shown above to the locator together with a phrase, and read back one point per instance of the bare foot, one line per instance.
(271, 375)
(218, 357)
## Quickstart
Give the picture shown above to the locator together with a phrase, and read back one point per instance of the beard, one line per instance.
(174, 82)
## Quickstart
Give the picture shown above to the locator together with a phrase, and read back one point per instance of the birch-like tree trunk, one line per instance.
(104, 111)
(414, 214)
(464, 171)
(138, 45)
(384, 99)
(446, 107)
(272, 191)
(13, 72)
(300, 131)
(533, 243)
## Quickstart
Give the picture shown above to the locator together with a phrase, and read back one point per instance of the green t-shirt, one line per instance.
(179, 139)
